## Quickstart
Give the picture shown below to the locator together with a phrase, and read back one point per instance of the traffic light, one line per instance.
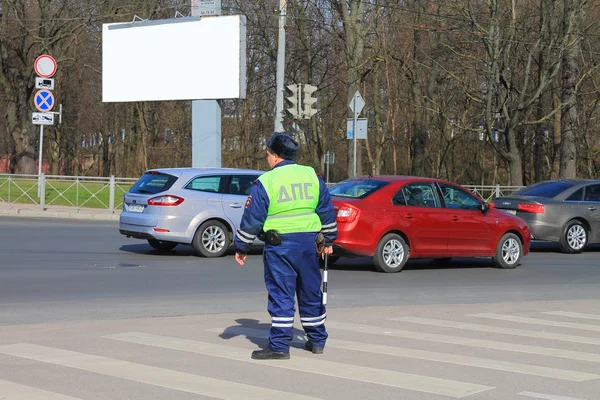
(292, 101)
(308, 101)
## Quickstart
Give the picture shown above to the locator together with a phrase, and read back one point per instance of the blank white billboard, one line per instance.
(178, 59)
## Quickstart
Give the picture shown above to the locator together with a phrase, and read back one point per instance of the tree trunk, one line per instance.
(351, 12)
(568, 148)
(419, 126)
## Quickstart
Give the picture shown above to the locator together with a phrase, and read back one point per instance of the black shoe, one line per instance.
(268, 354)
(314, 349)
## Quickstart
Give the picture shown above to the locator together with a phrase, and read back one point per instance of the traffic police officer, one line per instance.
(288, 207)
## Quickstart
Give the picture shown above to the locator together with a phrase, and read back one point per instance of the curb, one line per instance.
(16, 212)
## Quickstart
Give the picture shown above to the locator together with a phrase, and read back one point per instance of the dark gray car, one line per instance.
(563, 211)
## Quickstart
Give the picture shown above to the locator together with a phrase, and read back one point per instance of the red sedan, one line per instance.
(392, 218)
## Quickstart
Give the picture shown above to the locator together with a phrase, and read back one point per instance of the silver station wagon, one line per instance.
(201, 207)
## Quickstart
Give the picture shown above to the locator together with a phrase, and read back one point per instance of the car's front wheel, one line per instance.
(574, 237)
(391, 253)
(161, 245)
(509, 251)
(211, 239)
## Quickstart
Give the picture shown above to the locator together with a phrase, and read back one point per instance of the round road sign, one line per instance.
(44, 100)
(45, 66)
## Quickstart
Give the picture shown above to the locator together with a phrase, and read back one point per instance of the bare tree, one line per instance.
(27, 30)
(570, 78)
(351, 14)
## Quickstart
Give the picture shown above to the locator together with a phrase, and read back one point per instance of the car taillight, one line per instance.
(165, 200)
(346, 214)
(532, 208)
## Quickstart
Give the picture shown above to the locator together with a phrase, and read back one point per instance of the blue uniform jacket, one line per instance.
(257, 207)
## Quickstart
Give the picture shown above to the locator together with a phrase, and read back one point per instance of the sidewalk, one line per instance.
(35, 211)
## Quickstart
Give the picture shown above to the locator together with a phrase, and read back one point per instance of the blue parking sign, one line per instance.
(44, 100)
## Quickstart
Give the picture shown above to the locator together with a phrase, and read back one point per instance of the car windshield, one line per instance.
(356, 188)
(545, 189)
(153, 182)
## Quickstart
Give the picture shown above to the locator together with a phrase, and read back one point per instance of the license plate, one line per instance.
(513, 212)
(135, 208)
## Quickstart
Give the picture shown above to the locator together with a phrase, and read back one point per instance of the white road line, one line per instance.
(496, 329)
(181, 381)
(357, 373)
(537, 321)
(484, 344)
(547, 396)
(438, 357)
(573, 315)
(16, 391)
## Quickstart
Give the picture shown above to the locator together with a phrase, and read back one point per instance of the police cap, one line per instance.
(283, 145)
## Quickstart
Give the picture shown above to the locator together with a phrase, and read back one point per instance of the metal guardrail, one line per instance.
(67, 191)
(489, 192)
(107, 193)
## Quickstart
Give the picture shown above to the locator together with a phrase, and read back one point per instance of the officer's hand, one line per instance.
(240, 258)
(327, 250)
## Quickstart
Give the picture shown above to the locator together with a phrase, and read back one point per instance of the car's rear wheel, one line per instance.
(509, 251)
(162, 245)
(574, 237)
(211, 239)
(391, 253)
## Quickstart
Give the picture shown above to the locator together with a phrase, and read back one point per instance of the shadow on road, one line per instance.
(366, 263)
(261, 342)
(181, 250)
(550, 247)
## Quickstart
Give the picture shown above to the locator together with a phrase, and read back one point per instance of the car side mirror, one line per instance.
(485, 207)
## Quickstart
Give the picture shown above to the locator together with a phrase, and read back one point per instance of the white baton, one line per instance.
(325, 271)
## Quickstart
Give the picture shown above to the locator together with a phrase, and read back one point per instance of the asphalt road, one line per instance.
(88, 314)
(65, 270)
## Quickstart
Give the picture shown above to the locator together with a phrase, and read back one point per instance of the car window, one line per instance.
(421, 195)
(592, 193)
(211, 184)
(399, 199)
(153, 182)
(457, 198)
(356, 188)
(576, 196)
(545, 189)
(241, 184)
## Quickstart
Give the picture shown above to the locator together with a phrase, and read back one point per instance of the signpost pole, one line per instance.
(356, 105)
(328, 162)
(354, 133)
(45, 67)
(40, 161)
(206, 114)
(280, 72)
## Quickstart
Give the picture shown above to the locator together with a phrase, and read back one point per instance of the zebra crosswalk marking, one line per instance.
(537, 321)
(456, 389)
(156, 376)
(546, 396)
(495, 329)
(16, 391)
(573, 315)
(480, 343)
(485, 363)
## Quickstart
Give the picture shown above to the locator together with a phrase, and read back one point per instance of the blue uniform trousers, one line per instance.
(292, 269)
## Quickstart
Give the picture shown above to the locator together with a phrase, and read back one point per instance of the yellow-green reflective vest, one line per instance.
(293, 192)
